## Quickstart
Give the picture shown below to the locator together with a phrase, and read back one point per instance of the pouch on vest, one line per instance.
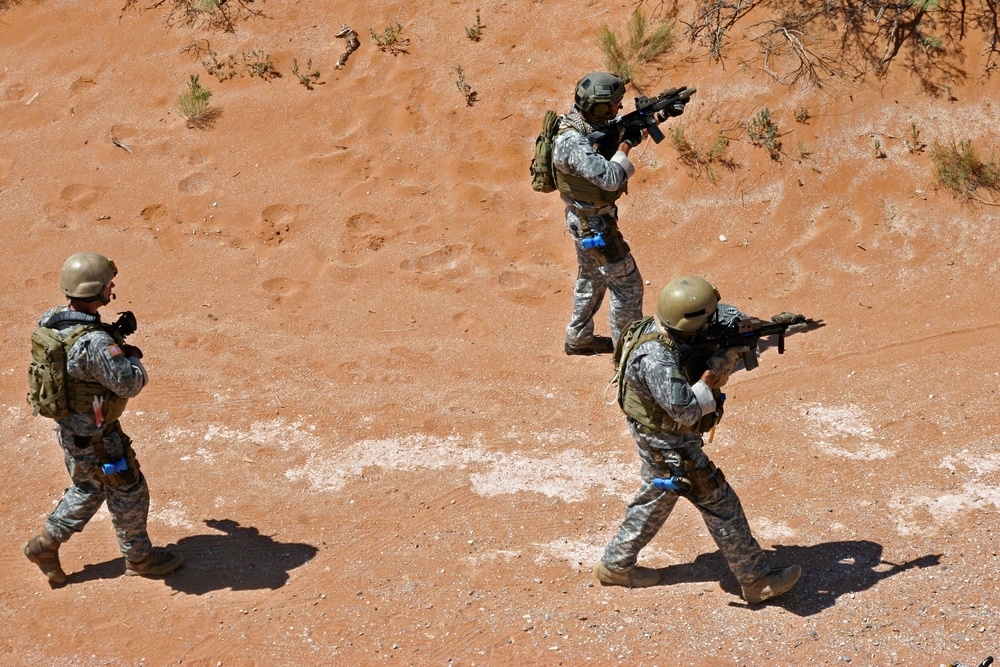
(542, 177)
(47, 381)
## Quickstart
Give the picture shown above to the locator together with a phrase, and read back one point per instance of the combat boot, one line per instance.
(634, 577)
(600, 345)
(772, 584)
(43, 551)
(159, 561)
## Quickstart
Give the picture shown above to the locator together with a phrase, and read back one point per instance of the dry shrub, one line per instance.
(960, 169)
(625, 58)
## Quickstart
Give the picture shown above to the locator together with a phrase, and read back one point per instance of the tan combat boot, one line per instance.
(772, 584)
(635, 577)
(159, 561)
(43, 551)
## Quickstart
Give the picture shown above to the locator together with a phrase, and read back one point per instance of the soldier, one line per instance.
(669, 405)
(590, 180)
(100, 373)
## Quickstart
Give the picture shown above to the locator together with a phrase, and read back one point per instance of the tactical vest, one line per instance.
(578, 187)
(646, 411)
(79, 395)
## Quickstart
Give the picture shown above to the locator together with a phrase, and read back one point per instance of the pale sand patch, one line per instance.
(174, 515)
(585, 554)
(922, 515)
(773, 530)
(843, 431)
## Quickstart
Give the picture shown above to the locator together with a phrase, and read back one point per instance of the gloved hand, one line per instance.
(632, 137)
(675, 110)
(723, 362)
(789, 318)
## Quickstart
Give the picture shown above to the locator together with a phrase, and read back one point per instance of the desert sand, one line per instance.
(361, 429)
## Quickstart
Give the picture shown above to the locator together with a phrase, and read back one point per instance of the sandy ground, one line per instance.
(361, 429)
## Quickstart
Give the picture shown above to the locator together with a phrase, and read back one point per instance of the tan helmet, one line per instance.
(598, 94)
(686, 303)
(85, 275)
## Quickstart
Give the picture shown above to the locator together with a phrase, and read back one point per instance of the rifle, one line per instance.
(742, 332)
(125, 326)
(649, 113)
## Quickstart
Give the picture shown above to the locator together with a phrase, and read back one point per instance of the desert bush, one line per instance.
(223, 70)
(258, 63)
(763, 132)
(310, 78)
(193, 105)
(463, 87)
(626, 57)
(801, 115)
(702, 161)
(960, 169)
(215, 14)
(817, 39)
(475, 33)
(390, 41)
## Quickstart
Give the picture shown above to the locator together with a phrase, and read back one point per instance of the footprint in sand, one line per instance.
(195, 184)
(73, 200)
(14, 92)
(363, 234)
(279, 221)
(283, 287)
(81, 84)
(445, 258)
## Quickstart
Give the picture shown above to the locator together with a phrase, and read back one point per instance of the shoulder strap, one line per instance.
(71, 317)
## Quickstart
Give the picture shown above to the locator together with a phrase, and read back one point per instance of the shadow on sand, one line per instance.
(829, 570)
(239, 558)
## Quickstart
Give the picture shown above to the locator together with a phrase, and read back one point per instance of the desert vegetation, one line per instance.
(625, 55)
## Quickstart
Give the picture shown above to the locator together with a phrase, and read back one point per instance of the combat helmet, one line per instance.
(686, 303)
(85, 275)
(597, 94)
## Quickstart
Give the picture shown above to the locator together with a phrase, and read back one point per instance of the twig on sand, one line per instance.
(32, 99)
(983, 201)
(397, 330)
(351, 38)
(119, 144)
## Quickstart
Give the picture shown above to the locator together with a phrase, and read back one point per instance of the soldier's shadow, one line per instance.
(238, 558)
(829, 570)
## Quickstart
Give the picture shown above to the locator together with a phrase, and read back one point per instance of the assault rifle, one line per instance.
(125, 326)
(649, 113)
(743, 332)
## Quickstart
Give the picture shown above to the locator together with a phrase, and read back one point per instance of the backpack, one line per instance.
(543, 178)
(48, 382)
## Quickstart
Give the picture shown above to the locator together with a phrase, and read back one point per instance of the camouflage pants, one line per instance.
(621, 278)
(651, 507)
(127, 504)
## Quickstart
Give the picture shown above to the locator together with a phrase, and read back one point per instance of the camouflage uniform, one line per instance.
(572, 154)
(663, 454)
(94, 358)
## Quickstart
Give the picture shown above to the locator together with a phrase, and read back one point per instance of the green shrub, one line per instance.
(626, 58)
(960, 169)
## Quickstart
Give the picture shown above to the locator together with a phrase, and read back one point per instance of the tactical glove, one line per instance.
(632, 137)
(789, 318)
(723, 362)
(675, 110)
